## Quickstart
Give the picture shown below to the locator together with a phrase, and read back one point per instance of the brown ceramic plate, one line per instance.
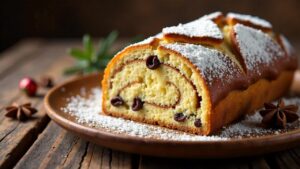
(56, 99)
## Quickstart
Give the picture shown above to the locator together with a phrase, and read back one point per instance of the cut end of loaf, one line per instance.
(156, 86)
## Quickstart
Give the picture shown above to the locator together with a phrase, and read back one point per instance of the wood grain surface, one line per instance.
(40, 143)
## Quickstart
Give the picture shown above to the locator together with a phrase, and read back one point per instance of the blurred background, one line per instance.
(73, 18)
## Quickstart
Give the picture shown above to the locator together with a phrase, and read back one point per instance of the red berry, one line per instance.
(28, 85)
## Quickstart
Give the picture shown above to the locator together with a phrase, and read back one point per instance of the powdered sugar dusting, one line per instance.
(251, 125)
(86, 111)
(256, 47)
(211, 63)
(212, 16)
(252, 19)
(197, 28)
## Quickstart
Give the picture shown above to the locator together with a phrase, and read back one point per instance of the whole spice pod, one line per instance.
(278, 115)
(21, 112)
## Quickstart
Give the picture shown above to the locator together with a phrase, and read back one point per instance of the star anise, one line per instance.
(276, 116)
(21, 112)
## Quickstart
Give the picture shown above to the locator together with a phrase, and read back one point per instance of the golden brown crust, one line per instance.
(239, 103)
(233, 21)
(196, 40)
(219, 20)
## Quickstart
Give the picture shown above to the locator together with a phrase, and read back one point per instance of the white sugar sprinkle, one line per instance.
(211, 63)
(197, 28)
(252, 19)
(250, 126)
(86, 111)
(212, 16)
(256, 47)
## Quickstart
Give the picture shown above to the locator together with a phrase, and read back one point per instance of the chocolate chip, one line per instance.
(152, 62)
(117, 101)
(199, 99)
(198, 123)
(180, 117)
(137, 104)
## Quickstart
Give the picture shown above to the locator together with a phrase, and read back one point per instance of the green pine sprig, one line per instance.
(89, 59)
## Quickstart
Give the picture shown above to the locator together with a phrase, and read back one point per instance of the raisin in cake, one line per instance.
(199, 76)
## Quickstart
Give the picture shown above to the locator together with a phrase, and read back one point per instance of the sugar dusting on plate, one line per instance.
(86, 111)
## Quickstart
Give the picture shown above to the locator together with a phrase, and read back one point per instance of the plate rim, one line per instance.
(260, 141)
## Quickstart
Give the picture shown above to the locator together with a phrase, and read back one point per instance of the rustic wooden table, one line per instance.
(40, 143)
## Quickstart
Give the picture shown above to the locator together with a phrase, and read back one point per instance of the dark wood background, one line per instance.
(72, 18)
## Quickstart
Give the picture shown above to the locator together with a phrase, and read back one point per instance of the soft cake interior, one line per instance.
(172, 89)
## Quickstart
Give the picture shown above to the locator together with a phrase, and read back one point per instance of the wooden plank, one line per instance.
(57, 148)
(99, 157)
(20, 137)
(48, 55)
(17, 54)
(260, 163)
(121, 160)
(285, 160)
(54, 148)
(174, 163)
(16, 137)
